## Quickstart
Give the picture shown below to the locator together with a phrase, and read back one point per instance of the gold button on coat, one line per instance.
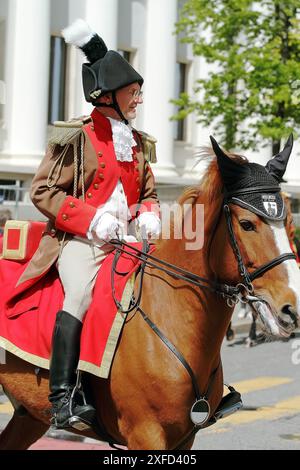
(89, 195)
(65, 217)
(96, 185)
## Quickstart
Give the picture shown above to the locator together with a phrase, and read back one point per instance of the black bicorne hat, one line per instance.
(106, 70)
(252, 186)
(110, 73)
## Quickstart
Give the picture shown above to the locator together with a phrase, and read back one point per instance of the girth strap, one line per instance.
(174, 351)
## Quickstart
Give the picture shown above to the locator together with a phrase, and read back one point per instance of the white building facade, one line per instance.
(40, 81)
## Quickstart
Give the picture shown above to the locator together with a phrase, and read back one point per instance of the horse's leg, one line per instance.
(146, 436)
(230, 332)
(188, 445)
(252, 333)
(252, 338)
(21, 432)
(151, 436)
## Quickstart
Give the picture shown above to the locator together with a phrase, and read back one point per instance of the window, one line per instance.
(57, 86)
(179, 131)
(10, 190)
(295, 205)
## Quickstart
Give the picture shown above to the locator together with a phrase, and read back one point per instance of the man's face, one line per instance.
(128, 98)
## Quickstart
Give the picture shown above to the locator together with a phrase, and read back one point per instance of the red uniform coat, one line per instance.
(66, 213)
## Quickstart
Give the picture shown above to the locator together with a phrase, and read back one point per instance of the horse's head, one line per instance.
(258, 253)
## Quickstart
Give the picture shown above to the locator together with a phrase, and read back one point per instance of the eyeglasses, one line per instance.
(136, 94)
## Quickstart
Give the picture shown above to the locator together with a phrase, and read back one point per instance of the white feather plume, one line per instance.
(78, 33)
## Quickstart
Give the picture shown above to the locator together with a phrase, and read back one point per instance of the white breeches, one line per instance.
(78, 266)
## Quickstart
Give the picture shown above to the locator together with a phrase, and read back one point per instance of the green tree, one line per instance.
(254, 88)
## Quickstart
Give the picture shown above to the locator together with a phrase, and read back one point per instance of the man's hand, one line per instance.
(107, 228)
(149, 225)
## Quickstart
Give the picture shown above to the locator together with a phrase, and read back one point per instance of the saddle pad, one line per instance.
(27, 321)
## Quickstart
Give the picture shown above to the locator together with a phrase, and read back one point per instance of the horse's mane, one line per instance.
(209, 192)
(210, 189)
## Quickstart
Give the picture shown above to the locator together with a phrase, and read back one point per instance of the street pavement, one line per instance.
(268, 377)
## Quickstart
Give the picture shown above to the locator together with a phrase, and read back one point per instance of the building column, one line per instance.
(27, 77)
(159, 88)
(102, 16)
(198, 135)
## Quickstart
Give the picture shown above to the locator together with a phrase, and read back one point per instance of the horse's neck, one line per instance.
(190, 254)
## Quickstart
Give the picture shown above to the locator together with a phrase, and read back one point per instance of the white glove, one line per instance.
(105, 228)
(149, 225)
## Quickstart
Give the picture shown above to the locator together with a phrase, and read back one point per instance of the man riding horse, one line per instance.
(94, 179)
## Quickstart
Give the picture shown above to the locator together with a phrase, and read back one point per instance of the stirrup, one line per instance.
(79, 424)
(75, 421)
(229, 404)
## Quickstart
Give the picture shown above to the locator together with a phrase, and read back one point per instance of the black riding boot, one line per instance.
(67, 410)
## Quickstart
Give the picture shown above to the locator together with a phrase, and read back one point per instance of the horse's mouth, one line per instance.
(274, 324)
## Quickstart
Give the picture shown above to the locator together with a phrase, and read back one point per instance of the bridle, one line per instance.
(247, 277)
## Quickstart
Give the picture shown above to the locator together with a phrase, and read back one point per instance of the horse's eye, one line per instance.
(247, 225)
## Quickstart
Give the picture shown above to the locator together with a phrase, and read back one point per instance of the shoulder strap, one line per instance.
(67, 132)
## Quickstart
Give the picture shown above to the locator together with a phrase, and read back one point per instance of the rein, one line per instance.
(172, 270)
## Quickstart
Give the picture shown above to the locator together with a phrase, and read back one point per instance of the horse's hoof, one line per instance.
(250, 343)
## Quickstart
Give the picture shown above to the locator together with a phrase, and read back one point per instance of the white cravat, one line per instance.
(123, 140)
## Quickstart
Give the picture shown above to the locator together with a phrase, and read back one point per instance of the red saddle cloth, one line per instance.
(27, 317)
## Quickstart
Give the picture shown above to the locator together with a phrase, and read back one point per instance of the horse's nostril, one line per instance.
(286, 309)
(288, 314)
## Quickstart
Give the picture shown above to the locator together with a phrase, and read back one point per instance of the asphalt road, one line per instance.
(267, 375)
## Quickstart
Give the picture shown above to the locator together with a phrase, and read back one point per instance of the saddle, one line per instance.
(21, 239)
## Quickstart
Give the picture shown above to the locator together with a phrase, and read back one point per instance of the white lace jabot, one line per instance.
(123, 140)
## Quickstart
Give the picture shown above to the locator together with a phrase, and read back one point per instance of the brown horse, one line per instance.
(146, 402)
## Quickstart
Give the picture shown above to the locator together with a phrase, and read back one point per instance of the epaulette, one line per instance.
(67, 132)
(149, 147)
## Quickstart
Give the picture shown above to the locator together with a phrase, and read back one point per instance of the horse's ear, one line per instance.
(277, 165)
(231, 171)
